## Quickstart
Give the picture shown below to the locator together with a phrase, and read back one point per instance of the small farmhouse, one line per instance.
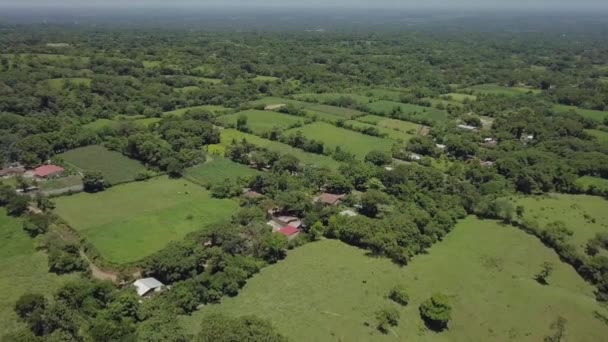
(48, 171)
(329, 199)
(148, 286)
(289, 232)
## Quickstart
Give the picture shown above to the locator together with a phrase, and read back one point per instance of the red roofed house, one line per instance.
(48, 171)
(289, 232)
(329, 199)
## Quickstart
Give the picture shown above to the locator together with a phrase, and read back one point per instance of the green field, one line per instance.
(23, 268)
(384, 94)
(584, 215)
(266, 79)
(260, 121)
(459, 97)
(101, 124)
(115, 167)
(188, 89)
(147, 121)
(58, 183)
(270, 100)
(346, 113)
(596, 115)
(213, 109)
(501, 90)
(586, 182)
(600, 135)
(323, 116)
(129, 222)
(394, 124)
(386, 107)
(151, 64)
(328, 97)
(353, 142)
(217, 170)
(486, 269)
(229, 135)
(59, 83)
(435, 103)
(390, 133)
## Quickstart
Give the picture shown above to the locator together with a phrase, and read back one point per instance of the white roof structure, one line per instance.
(147, 285)
(467, 127)
(348, 212)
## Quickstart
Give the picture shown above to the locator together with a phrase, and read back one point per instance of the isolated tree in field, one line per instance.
(436, 312)
(559, 330)
(241, 123)
(93, 181)
(544, 273)
(387, 318)
(398, 294)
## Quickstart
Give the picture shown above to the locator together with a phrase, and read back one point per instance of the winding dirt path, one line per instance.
(97, 272)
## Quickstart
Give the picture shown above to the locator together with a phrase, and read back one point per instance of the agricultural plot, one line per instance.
(346, 113)
(323, 116)
(390, 133)
(394, 124)
(584, 215)
(270, 100)
(115, 167)
(596, 115)
(260, 121)
(437, 103)
(495, 89)
(459, 97)
(409, 110)
(269, 79)
(59, 83)
(588, 182)
(23, 268)
(330, 97)
(126, 223)
(353, 142)
(384, 94)
(487, 271)
(213, 109)
(60, 183)
(217, 170)
(229, 135)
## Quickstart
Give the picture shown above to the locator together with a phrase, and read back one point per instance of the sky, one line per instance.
(409, 4)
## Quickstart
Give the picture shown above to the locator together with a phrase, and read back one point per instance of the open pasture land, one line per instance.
(330, 97)
(263, 79)
(586, 182)
(323, 116)
(353, 142)
(459, 97)
(128, 222)
(390, 133)
(486, 269)
(394, 124)
(584, 215)
(261, 121)
(600, 135)
(147, 121)
(115, 167)
(384, 93)
(271, 100)
(346, 113)
(495, 89)
(59, 83)
(420, 112)
(23, 269)
(187, 90)
(229, 135)
(435, 103)
(60, 183)
(218, 110)
(217, 170)
(596, 115)
(101, 124)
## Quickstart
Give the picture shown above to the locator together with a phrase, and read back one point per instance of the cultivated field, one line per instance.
(329, 97)
(390, 133)
(346, 113)
(217, 170)
(353, 142)
(394, 124)
(270, 100)
(213, 109)
(115, 167)
(229, 135)
(597, 115)
(501, 90)
(261, 121)
(323, 116)
(260, 78)
(584, 215)
(129, 222)
(459, 97)
(420, 112)
(23, 268)
(328, 291)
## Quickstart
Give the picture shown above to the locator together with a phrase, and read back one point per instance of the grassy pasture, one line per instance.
(101, 124)
(188, 89)
(323, 116)
(443, 102)
(394, 124)
(345, 113)
(459, 97)
(260, 121)
(584, 215)
(147, 121)
(600, 135)
(213, 109)
(384, 94)
(353, 142)
(229, 135)
(586, 182)
(126, 223)
(390, 133)
(596, 115)
(386, 107)
(62, 182)
(486, 269)
(115, 167)
(270, 79)
(217, 170)
(23, 269)
(495, 89)
(327, 97)
(271, 100)
(59, 83)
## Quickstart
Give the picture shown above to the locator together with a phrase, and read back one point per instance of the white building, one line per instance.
(148, 286)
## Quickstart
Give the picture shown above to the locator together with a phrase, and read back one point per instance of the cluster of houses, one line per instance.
(42, 172)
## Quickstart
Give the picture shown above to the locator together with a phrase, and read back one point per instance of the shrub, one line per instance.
(436, 312)
(399, 295)
(387, 318)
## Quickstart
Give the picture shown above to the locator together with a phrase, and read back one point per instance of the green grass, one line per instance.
(586, 182)
(58, 83)
(415, 111)
(327, 291)
(571, 209)
(345, 113)
(266, 79)
(151, 64)
(394, 124)
(384, 94)
(260, 121)
(323, 116)
(459, 97)
(228, 135)
(188, 89)
(390, 133)
(115, 167)
(217, 170)
(328, 97)
(596, 115)
(209, 80)
(147, 121)
(600, 135)
(271, 100)
(101, 124)
(501, 90)
(128, 222)
(23, 269)
(353, 142)
(213, 109)
(442, 102)
(63, 182)
(205, 69)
